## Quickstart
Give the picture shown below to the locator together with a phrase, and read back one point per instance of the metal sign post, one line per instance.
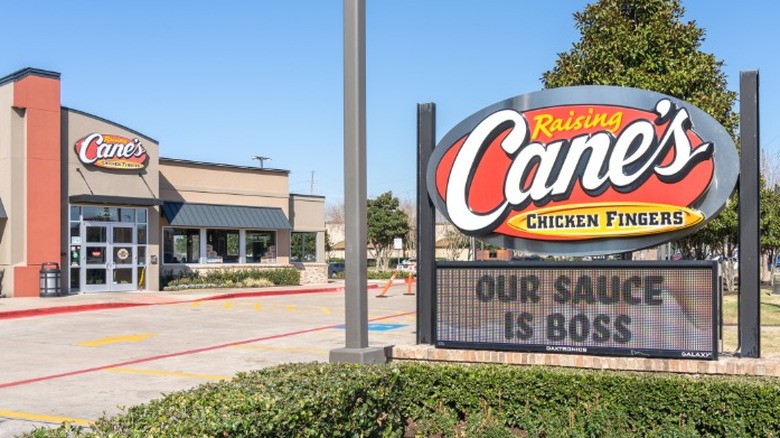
(426, 224)
(355, 205)
(749, 231)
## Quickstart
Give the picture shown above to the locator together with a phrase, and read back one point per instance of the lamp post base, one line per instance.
(369, 355)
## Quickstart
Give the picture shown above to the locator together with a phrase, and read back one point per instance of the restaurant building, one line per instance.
(96, 198)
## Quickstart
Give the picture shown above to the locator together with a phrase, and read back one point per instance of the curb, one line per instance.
(45, 311)
(58, 310)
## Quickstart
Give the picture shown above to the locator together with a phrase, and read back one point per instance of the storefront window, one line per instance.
(75, 233)
(260, 247)
(222, 246)
(141, 236)
(96, 234)
(100, 214)
(181, 245)
(126, 215)
(303, 247)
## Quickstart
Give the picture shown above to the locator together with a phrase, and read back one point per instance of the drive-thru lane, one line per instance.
(78, 366)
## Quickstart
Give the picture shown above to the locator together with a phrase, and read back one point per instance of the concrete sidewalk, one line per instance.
(11, 308)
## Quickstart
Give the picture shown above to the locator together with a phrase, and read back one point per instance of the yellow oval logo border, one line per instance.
(605, 220)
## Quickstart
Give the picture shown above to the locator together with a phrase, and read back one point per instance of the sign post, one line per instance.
(749, 230)
(398, 245)
(356, 222)
(426, 224)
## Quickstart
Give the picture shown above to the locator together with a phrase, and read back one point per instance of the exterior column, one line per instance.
(37, 93)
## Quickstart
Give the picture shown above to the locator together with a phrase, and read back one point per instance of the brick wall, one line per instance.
(312, 273)
(765, 366)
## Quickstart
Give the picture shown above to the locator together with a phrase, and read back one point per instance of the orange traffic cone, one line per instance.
(387, 287)
(409, 281)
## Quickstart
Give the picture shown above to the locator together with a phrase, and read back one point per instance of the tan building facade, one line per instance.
(96, 198)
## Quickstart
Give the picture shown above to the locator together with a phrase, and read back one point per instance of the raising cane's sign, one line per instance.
(583, 170)
(109, 151)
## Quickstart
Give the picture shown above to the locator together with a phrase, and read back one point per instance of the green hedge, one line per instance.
(281, 277)
(227, 278)
(412, 399)
(376, 275)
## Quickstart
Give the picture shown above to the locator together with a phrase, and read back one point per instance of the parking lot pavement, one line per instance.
(78, 365)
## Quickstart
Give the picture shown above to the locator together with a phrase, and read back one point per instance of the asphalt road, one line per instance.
(77, 367)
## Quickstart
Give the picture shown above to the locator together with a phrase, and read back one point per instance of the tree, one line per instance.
(457, 242)
(386, 221)
(334, 213)
(645, 44)
(328, 246)
(409, 207)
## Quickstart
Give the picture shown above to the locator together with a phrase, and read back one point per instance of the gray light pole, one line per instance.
(355, 198)
(262, 160)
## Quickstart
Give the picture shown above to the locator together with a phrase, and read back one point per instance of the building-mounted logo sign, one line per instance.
(583, 170)
(110, 151)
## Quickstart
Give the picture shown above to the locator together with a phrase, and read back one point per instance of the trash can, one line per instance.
(50, 279)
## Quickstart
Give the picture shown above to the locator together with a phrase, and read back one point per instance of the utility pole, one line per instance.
(311, 188)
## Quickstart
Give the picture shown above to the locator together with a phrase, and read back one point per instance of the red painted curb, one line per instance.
(58, 310)
(45, 311)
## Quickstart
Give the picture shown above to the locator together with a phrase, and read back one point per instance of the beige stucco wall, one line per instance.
(12, 183)
(207, 183)
(88, 180)
(307, 214)
(85, 180)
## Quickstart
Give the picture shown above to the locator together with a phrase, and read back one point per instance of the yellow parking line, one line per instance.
(290, 307)
(258, 307)
(195, 304)
(46, 418)
(228, 305)
(115, 339)
(325, 310)
(283, 349)
(167, 373)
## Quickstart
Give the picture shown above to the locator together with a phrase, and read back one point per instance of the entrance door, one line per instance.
(108, 257)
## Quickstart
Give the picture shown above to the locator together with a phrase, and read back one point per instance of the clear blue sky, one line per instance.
(223, 81)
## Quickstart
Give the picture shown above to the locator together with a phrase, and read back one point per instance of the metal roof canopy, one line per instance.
(3, 214)
(209, 215)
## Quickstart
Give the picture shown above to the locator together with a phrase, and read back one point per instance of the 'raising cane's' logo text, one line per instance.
(572, 173)
(112, 152)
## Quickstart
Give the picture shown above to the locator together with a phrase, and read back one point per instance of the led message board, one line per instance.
(642, 309)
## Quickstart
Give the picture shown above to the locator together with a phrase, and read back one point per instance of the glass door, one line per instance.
(94, 260)
(108, 257)
(122, 269)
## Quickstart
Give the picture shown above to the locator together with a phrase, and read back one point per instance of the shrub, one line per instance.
(381, 275)
(376, 275)
(454, 400)
(228, 278)
(256, 282)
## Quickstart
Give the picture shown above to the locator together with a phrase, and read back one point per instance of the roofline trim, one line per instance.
(29, 71)
(118, 125)
(232, 166)
(303, 195)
